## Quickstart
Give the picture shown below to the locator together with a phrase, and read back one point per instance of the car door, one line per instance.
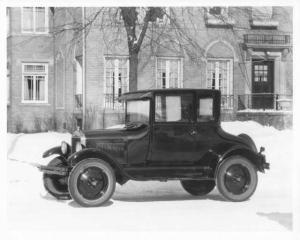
(173, 129)
(207, 115)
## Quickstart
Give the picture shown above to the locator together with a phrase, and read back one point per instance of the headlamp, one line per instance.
(64, 147)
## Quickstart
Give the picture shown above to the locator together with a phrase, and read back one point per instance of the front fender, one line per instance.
(52, 151)
(57, 151)
(95, 153)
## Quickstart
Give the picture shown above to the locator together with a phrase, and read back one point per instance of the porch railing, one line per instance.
(227, 101)
(111, 102)
(256, 101)
(266, 39)
(263, 101)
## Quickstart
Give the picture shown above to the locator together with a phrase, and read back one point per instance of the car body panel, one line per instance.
(166, 150)
(52, 151)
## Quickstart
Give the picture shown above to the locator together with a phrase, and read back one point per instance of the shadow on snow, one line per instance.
(284, 219)
(164, 197)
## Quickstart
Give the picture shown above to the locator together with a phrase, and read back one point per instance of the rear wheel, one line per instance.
(92, 182)
(57, 185)
(237, 178)
(198, 187)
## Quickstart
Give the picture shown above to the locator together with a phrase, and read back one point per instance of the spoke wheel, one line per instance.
(236, 178)
(198, 187)
(92, 182)
(56, 185)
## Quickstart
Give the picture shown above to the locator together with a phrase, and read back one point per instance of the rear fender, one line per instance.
(255, 158)
(77, 157)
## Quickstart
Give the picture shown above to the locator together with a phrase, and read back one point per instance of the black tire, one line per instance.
(92, 182)
(236, 178)
(56, 185)
(198, 187)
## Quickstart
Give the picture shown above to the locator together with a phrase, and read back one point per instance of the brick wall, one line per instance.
(28, 48)
(66, 46)
(198, 43)
(212, 43)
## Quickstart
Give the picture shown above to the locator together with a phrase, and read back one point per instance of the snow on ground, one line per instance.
(139, 206)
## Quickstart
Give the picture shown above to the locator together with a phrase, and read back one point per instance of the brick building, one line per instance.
(61, 75)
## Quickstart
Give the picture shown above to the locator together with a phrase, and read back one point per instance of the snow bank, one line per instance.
(30, 147)
(151, 205)
(251, 110)
(254, 129)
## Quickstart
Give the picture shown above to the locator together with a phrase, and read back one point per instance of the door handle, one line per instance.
(193, 132)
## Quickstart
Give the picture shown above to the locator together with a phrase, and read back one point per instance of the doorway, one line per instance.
(262, 84)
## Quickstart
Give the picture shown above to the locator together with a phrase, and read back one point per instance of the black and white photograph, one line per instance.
(150, 117)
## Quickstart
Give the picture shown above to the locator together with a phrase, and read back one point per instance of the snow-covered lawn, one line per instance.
(139, 206)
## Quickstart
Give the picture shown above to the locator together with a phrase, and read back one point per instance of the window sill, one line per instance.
(35, 104)
(212, 21)
(257, 23)
(35, 33)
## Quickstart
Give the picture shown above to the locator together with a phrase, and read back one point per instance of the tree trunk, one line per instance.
(133, 71)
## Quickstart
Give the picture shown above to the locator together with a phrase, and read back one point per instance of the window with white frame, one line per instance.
(35, 82)
(169, 72)
(262, 13)
(216, 10)
(218, 16)
(116, 80)
(79, 79)
(34, 20)
(79, 82)
(219, 76)
(165, 18)
(7, 21)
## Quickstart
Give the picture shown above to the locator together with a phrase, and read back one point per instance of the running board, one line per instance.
(167, 173)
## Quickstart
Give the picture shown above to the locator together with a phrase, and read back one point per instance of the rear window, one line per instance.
(205, 110)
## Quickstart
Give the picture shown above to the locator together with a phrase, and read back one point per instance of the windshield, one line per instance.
(137, 111)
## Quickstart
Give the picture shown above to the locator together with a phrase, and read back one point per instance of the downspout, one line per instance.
(83, 69)
(54, 71)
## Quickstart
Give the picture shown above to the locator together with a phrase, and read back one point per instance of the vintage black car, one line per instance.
(169, 134)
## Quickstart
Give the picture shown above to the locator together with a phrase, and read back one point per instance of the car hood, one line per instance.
(119, 133)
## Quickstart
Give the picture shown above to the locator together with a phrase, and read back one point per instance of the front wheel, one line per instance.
(92, 182)
(198, 187)
(236, 178)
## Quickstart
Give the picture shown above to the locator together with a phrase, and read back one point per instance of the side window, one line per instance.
(205, 110)
(174, 108)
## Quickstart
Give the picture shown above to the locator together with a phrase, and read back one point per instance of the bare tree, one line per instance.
(134, 40)
(138, 23)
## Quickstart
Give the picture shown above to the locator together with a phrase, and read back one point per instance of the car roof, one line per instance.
(149, 92)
